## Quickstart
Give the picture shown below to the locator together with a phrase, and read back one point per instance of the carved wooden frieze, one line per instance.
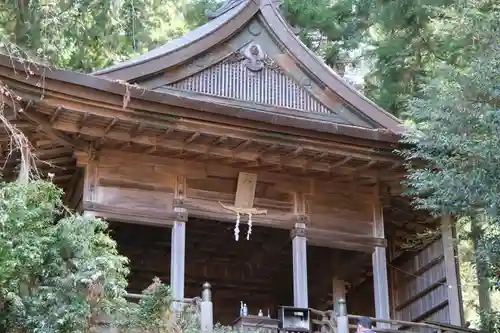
(249, 74)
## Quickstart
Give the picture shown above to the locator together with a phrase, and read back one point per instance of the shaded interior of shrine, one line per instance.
(256, 271)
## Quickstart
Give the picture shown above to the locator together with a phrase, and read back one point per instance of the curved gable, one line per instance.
(248, 55)
(332, 81)
(181, 49)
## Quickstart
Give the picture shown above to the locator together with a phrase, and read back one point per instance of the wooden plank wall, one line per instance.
(419, 289)
(139, 188)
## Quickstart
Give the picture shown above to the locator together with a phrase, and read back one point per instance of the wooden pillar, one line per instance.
(178, 243)
(342, 320)
(451, 267)
(379, 262)
(206, 310)
(90, 162)
(299, 251)
(338, 293)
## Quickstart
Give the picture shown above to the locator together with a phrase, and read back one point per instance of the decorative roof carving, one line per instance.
(249, 74)
(254, 57)
(327, 92)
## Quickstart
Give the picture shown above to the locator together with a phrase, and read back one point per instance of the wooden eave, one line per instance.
(200, 40)
(97, 90)
(68, 116)
(77, 110)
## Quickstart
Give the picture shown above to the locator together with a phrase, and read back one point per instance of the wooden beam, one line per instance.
(296, 152)
(83, 120)
(451, 267)
(150, 150)
(343, 240)
(54, 116)
(217, 152)
(53, 152)
(242, 146)
(191, 125)
(110, 125)
(56, 161)
(339, 291)
(220, 140)
(178, 243)
(204, 169)
(192, 137)
(112, 213)
(299, 204)
(366, 166)
(340, 163)
(46, 127)
(245, 190)
(90, 180)
(71, 197)
(139, 206)
(299, 254)
(379, 261)
(137, 130)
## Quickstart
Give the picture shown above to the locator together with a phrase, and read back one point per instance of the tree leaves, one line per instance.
(454, 130)
(86, 35)
(54, 276)
(66, 275)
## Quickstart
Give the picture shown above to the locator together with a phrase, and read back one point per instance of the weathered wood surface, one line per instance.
(168, 135)
(141, 189)
(450, 252)
(420, 291)
(258, 272)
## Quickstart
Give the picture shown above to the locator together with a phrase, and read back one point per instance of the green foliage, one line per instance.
(403, 49)
(330, 28)
(195, 12)
(86, 35)
(435, 63)
(154, 313)
(64, 275)
(54, 277)
(454, 146)
(485, 251)
(403, 40)
(456, 124)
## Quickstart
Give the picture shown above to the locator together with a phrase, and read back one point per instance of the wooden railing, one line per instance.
(205, 306)
(321, 321)
(391, 326)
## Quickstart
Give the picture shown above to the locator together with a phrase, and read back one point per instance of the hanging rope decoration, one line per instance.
(249, 231)
(243, 211)
(237, 228)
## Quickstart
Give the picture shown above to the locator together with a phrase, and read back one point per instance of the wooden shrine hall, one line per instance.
(237, 130)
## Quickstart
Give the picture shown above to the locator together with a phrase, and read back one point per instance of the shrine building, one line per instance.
(239, 124)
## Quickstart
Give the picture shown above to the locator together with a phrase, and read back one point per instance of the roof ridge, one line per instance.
(225, 7)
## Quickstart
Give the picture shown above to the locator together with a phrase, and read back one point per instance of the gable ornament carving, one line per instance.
(254, 57)
(250, 74)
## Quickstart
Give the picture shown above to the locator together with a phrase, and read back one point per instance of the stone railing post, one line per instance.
(206, 311)
(342, 320)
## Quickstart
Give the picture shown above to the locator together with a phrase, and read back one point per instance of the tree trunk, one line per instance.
(482, 275)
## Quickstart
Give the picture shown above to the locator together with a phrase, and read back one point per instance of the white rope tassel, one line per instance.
(237, 228)
(249, 232)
